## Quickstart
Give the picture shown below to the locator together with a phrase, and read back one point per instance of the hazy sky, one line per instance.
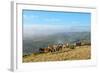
(43, 22)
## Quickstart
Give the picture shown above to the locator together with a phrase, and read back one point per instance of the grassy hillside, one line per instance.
(79, 53)
(32, 45)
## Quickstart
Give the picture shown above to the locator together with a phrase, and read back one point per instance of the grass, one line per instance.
(79, 53)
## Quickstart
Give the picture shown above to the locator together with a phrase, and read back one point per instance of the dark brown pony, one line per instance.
(44, 50)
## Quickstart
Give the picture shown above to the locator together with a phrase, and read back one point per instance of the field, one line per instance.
(79, 53)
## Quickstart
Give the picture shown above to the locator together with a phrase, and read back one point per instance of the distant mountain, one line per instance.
(33, 44)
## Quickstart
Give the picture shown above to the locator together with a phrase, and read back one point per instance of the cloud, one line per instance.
(36, 30)
(28, 17)
(52, 19)
(39, 30)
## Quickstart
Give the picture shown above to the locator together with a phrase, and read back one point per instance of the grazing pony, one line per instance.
(44, 50)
